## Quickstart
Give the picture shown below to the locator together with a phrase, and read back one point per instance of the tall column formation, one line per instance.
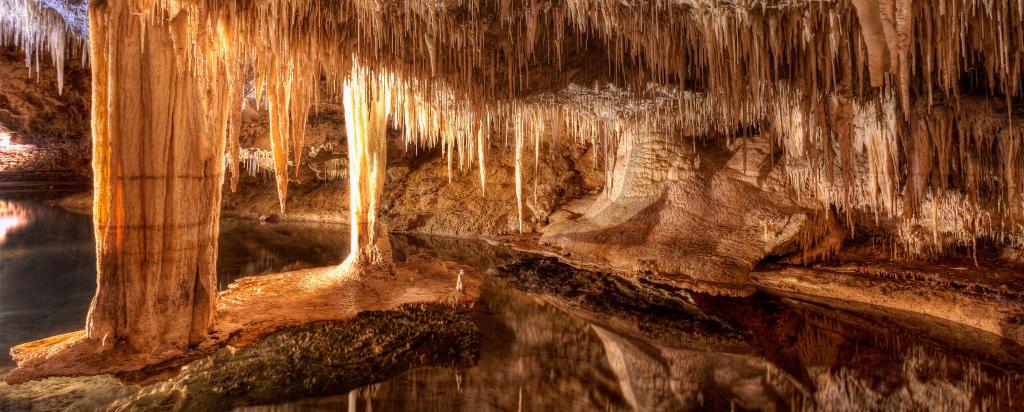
(367, 101)
(158, 142)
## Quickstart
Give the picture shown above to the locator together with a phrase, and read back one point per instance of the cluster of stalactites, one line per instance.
(428, 116)
(953, 176)
(36, 29)
(458, 75)
(508, 48)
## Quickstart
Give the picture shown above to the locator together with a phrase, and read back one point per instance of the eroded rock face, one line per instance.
(421, 194)
(51, 128)
(683, 217)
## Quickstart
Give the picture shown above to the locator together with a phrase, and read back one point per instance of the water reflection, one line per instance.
(544, 337)
(12, 216)
(47, 271)
(559, 340)
(248, 247)
(48, 264)
(552, 338)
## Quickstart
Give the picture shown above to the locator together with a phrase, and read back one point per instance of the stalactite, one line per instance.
(35, 28)
(481, 153)
(236, 104)
(257, 162)
(278, 105)
(915, 147)
(455, 80)
(519, 173)
(333, 169)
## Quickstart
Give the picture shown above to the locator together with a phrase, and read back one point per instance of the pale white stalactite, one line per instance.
(256, 162)
(333, 169)
(480, 147)
(33, 28)
(519, 173)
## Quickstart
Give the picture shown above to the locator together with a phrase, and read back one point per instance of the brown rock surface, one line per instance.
(253, 308)
(699, 221)
(51, 127)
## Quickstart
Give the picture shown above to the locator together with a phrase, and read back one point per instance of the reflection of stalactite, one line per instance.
(261, 263)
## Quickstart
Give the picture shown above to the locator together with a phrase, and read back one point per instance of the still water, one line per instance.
(543, 337)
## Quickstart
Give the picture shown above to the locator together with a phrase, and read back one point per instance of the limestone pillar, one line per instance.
(158, 145)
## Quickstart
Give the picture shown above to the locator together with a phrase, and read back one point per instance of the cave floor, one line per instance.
(540, 336)
(530, 243)
(984, 296)
(253, 307)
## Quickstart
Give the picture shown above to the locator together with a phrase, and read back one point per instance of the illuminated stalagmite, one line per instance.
(158, 130)
(366, 120)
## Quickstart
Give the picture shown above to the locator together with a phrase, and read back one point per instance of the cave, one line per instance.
(642, 205)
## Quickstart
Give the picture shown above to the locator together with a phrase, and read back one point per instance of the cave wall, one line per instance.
(33, 111)
(679, 215)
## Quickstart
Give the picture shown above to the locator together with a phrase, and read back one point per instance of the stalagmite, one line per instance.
(367, 102)
(158, 169)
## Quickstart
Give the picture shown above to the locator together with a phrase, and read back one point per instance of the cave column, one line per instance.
(158, 147)
(366, 102)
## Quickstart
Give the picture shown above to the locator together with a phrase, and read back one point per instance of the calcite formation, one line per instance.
(728, 132)
(158, 144)
(732, 215)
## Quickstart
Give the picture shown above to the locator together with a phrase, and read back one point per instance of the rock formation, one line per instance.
(729, 134)
(158, 140)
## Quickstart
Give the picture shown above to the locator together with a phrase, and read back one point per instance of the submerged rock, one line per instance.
(315, 361)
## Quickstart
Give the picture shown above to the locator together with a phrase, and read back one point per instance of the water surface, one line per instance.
(544, 337)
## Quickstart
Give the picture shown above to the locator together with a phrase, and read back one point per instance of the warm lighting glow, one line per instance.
(34, 29)
(10, 153)
(6, 146)
(366, 105)
(12, 216)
